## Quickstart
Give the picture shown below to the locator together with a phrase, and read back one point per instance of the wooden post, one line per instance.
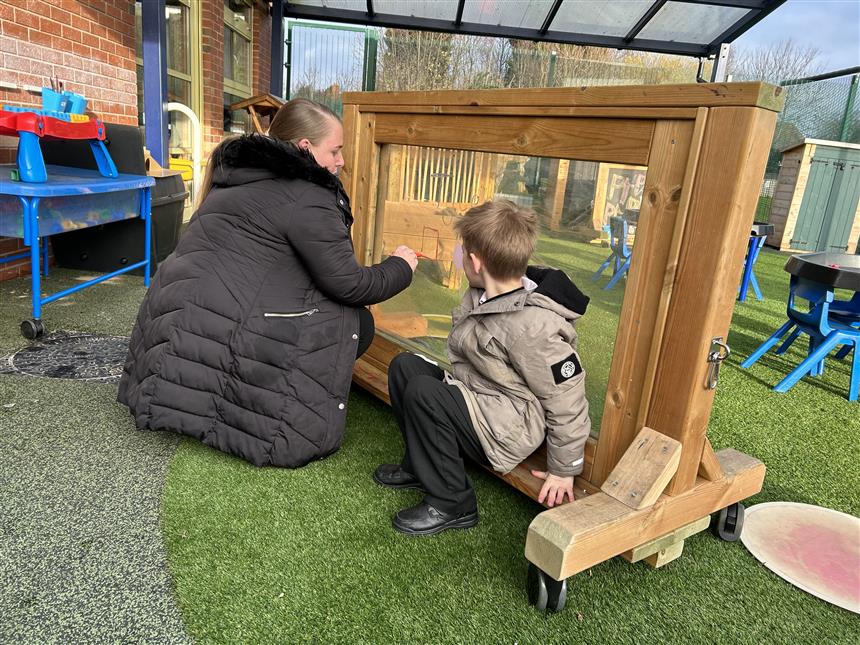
(554, 203)
(728, 179)
(649, 287)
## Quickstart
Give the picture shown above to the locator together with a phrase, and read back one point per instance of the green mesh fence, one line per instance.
(827, 109)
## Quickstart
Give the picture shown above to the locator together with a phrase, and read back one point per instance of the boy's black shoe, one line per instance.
(393, 476)
(423, 519)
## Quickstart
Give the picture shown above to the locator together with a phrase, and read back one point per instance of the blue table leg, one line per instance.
(745, 280)
(45, 254)
(145, 214)
(31, 209)
(754, 285)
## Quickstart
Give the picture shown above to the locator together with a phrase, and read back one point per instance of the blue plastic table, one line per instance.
(758, 235)
(72, 198)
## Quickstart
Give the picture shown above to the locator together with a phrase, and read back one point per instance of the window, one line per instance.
(237, 63)
(235, 121)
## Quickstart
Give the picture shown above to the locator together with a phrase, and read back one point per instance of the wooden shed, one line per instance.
(815, 204)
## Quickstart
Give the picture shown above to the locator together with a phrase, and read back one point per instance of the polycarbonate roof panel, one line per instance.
(691, 23)
(600, 17)
(352, 5)
(688, 27)
(441, 9)
(529, 15)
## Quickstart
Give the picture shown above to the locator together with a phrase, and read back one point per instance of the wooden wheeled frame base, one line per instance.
(573, 537)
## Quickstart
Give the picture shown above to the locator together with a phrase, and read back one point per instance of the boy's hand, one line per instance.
(554, 488)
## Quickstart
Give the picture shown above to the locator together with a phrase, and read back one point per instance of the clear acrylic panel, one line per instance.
(527, 15)
(599, 16)
(691, 23)
(588, 214)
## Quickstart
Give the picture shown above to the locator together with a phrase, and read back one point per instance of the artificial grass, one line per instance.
(309, 556)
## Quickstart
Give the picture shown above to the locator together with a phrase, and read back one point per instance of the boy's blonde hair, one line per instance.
(502, 235)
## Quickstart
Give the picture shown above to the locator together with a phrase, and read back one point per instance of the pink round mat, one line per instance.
(816, 549)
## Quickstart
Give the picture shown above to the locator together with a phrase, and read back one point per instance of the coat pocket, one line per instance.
(290, 314)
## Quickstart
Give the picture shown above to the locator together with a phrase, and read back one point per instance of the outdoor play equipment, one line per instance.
(651, 477)
(31, 126)
(36, 204)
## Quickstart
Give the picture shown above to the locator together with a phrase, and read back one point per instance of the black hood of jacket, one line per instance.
(554, 284)
(253, 157)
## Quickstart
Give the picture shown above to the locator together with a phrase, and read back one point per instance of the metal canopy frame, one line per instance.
(756, 11)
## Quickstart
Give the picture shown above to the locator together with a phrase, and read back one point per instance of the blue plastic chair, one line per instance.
(844, 311)
(825, 331)
(620, 253)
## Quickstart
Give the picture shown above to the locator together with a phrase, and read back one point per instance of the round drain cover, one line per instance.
(814, 548)
(74, 356)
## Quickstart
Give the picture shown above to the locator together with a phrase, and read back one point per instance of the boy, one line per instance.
(517, 379)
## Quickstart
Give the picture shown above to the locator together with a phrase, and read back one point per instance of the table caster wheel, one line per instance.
(545, 593)
(729, 522)
(32, 329)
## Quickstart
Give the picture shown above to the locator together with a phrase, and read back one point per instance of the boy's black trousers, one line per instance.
(437, 430)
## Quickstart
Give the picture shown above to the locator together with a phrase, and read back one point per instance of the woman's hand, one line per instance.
(407, 254)
(554, 488)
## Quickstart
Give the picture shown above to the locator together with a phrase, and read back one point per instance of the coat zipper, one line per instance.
(309, 312)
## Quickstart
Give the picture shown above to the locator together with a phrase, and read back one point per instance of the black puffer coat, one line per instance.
(247, 338)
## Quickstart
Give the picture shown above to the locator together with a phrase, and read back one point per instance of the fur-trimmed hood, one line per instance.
(253, 157)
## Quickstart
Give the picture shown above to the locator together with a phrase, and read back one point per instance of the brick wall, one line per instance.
(262, 53)
(212, 60)
(90, 45)
(87, 44)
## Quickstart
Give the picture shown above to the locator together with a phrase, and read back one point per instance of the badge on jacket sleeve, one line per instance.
(566, 369)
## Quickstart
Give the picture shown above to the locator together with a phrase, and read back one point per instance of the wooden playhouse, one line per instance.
(651, 476)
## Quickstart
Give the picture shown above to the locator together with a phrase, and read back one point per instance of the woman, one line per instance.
(247, 338)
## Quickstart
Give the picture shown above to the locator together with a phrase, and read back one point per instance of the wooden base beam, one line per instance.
(574, 537)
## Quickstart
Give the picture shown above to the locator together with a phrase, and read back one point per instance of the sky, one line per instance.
(833, 26)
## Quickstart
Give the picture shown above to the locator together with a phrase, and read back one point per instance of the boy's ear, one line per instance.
(476, 262)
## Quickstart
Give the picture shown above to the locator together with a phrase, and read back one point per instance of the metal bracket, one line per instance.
(718, 353)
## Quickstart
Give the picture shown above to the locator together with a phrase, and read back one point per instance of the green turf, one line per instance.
(309, 555)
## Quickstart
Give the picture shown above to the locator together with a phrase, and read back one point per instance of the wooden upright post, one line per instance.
(555, 190)
(723, 202)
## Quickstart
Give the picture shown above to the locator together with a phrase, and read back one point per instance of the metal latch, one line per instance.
(719, 352)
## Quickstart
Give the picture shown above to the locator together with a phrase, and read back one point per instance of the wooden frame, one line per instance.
(705, 146)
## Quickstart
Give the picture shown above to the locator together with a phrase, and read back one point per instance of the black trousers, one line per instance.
(366, 330)
(437, 431)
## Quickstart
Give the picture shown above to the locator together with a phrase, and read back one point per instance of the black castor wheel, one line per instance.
(32, 329)
(729, 522)
(545, 594)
